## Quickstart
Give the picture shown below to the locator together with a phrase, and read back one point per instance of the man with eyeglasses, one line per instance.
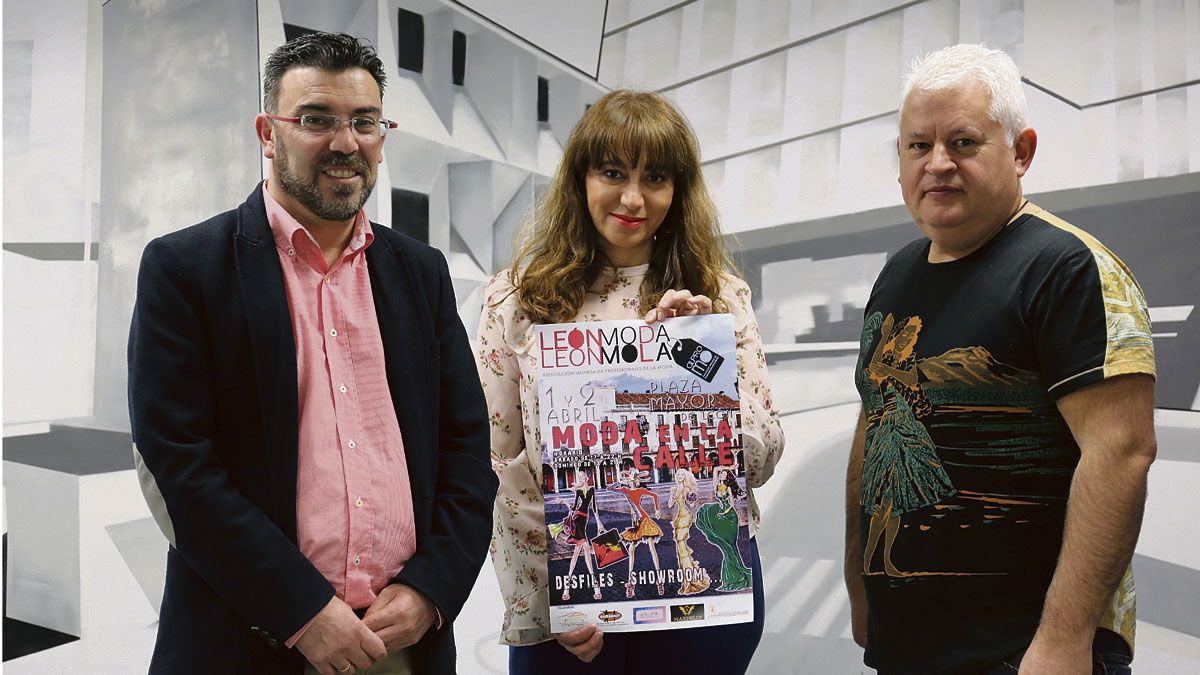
(308, 424)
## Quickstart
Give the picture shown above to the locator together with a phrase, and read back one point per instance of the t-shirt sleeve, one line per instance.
(1090, 322)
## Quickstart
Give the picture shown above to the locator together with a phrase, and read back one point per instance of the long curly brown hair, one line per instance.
(557, 258)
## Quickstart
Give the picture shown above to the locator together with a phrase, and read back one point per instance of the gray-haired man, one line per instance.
(998, 472)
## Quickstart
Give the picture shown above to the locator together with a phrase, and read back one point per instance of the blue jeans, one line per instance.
(716, 649)
(1110, 656)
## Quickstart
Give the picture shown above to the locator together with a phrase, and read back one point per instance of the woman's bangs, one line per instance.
(650, 137)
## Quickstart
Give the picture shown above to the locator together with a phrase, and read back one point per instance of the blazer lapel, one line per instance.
(273, 351)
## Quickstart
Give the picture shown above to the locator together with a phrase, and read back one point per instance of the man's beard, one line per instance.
(343, 206)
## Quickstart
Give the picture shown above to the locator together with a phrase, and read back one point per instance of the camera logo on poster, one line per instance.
(609, 615)
(681, 613)
(650, 614)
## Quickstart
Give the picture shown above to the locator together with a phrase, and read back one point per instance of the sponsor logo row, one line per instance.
(672, 613)
(644, 615)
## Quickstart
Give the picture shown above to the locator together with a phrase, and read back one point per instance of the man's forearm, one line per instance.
(853, 569)
(1104, 516)
(853, 555)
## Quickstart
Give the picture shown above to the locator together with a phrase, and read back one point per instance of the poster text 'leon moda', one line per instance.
(575, 347)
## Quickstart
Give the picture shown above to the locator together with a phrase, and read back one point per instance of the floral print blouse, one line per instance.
(507, 369)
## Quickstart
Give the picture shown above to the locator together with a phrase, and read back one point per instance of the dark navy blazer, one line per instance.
(213, 407)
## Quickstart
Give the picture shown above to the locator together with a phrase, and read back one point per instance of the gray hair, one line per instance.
(960, 65)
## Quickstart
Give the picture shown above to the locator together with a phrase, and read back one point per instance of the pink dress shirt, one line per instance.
(354, 517)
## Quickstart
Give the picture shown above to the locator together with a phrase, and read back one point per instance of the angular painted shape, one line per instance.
(506, 180)
(141, 546)
(471, 213)
(568, 30)
(502, 83)
(508, 223)
(355, 17)
(471, 133)
(413, 161)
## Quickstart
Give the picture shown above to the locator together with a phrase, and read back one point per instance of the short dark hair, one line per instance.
(334, 52)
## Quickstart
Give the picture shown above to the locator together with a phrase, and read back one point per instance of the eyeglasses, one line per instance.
(329, 124)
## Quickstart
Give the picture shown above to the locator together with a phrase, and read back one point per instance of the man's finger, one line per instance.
(359, 659)
(380, 619)
(373, 646)
(396, 639)
(385, 598)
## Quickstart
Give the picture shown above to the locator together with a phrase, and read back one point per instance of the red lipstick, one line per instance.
(628, 221)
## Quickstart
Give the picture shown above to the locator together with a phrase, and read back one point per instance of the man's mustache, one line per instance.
(343, 161)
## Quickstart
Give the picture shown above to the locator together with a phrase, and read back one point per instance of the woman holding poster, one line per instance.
(626, 230)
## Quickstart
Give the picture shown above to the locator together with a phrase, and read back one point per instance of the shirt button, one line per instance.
(333, 332)
(358, 503)
(352, 445)
(342, 388)
(357, 562)
(291, 251)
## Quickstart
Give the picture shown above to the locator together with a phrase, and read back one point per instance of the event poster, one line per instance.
(643, 474)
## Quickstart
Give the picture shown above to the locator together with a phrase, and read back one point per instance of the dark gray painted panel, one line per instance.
(80, 452)
(48, 250)
(1167, 594)
(1177, 443)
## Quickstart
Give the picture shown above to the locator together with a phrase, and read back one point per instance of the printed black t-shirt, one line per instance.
(968, 462)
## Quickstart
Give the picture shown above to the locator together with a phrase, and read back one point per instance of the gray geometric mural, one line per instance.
(129, 119)
(140, 543)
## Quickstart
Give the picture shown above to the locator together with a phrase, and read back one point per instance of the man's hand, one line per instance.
(584, 643)
(337, 641)
(1064, 658)
(679, 303)
(400, 616)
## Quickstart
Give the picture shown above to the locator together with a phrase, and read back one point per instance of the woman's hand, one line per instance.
(584, 643)
(679, 303)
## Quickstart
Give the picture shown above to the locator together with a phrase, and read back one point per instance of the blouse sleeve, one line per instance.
(762, 436)
(518, 530)
(500, 375)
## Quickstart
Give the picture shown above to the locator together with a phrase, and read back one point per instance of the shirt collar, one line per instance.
(288, 231)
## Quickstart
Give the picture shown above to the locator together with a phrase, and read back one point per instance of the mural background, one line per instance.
(126, 119)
